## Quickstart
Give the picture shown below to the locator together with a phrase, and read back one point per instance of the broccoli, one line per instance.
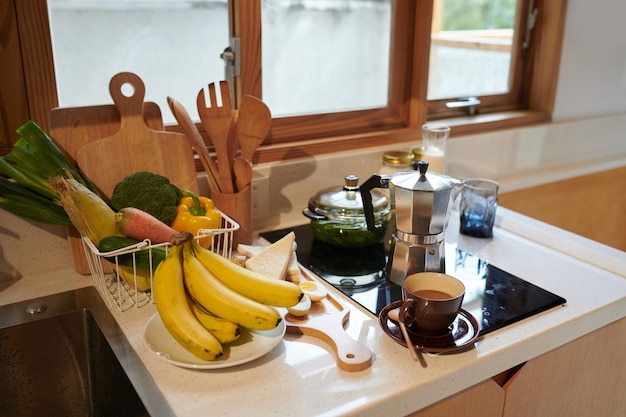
(149, 192)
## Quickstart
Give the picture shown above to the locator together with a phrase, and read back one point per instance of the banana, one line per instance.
(225, 330)
(171, 302)
(221, 301)
(139, 275)
(256, 286)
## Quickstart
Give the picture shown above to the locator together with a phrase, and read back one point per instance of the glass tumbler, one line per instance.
(434, 139)
(479, 201)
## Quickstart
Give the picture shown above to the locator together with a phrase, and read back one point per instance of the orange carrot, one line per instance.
(137, 224)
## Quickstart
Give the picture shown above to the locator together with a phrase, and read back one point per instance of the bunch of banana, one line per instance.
(171, 302)
(203, 298)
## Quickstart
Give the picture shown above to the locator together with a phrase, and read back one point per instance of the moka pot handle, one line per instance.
(375, 181)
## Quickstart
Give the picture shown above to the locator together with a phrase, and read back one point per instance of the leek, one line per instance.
(25, 172)
(24, 203)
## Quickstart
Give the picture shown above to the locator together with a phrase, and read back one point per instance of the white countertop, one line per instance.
(300, 377)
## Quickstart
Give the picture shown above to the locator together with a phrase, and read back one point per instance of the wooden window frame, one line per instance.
(531, 101)
(31, 89)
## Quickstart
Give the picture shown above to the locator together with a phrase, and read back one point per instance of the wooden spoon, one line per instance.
(415, 353)
(195, 139)
(253, 125)
(243, 172)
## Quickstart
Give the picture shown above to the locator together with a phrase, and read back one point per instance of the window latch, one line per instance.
(470, 104)
(232, 63)
(530, 24)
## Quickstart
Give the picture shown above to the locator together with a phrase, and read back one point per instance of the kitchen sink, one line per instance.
(65, 355)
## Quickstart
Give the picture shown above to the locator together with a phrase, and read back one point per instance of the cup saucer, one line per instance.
(463, 332)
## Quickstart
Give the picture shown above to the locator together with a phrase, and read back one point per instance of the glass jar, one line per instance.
(396, 161)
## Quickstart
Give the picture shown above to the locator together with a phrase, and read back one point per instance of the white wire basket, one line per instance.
(123, 295)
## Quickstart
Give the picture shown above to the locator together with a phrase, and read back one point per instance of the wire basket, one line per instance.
(123, 295)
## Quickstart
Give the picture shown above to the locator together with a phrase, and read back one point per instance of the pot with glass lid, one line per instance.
(337, 215)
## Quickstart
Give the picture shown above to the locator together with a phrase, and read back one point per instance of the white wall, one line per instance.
(592, 78)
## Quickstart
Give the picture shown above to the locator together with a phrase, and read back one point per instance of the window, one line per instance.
(400, 98)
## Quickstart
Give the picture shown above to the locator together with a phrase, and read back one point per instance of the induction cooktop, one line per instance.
(493, 296)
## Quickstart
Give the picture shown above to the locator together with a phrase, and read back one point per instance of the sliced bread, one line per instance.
(273, 260)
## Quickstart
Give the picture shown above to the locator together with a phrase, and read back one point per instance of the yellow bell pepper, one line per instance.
(194, 213)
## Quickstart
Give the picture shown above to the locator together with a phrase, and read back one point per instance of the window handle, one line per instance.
(232, 64)
(469, 103)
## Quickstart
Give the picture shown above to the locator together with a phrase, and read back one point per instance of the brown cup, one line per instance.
(432, 301)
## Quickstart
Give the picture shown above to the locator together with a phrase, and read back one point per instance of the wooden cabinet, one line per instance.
(485, 400)
(585, 377)
(592, 205)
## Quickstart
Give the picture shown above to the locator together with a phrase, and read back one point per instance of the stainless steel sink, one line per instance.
(65, 355)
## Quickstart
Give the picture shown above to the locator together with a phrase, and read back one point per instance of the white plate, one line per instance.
(252, 344)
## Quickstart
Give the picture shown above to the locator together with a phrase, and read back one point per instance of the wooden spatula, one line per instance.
(253, 125)
(195, 140)
(136, 147)
(216, 120)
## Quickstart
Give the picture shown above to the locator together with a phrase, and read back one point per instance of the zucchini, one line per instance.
(142, 257)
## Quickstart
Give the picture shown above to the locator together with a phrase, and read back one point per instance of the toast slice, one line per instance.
(293, 269)
(273, 260)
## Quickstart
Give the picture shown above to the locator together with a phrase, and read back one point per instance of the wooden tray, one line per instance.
(326, 321)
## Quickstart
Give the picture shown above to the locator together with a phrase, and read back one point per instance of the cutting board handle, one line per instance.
(131, 106)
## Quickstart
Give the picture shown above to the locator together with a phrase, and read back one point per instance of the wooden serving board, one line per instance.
(135, 146)
(74, 127)
(326, 321)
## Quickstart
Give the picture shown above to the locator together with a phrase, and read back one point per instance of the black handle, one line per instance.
(375, 181)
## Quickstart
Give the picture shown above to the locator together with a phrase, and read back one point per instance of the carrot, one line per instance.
(137, 224)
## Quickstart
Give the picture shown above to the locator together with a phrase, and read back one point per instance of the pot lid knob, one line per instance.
(422, 167)
(352, 182)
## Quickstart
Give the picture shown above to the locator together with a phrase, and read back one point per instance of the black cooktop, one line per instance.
(495, 297)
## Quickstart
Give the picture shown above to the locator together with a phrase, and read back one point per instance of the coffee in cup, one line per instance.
(432, 301)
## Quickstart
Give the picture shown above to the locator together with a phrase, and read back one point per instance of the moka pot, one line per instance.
(421, 203)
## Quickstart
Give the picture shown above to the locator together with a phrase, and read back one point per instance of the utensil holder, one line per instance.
(239, 207)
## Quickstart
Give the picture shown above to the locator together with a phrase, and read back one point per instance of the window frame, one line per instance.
(530, 101)
(306, 136)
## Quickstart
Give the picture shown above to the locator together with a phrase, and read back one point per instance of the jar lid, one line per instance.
(398, 158)
(344, 202)
(418, 153)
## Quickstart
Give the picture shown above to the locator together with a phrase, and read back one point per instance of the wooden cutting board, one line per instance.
(74, 127)
(325, 321)
(136, 147)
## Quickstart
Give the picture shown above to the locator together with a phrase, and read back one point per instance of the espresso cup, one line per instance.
(432, 301)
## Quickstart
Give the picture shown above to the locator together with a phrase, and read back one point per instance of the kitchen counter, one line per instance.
(300, 377)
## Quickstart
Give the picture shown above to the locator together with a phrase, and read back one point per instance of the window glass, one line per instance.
(471, 48)
(173, 45)
(322, 56)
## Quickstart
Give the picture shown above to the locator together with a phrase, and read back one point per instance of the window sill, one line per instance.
(460, 126)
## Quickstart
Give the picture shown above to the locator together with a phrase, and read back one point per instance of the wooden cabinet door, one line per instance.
(586, 377)
(485, 400)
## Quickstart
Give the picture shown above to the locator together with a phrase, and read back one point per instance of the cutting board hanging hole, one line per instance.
(128, 90)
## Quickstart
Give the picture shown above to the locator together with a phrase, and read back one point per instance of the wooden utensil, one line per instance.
(415, 353)
(74, 127)
(233, 136)
(253, 125)
(325, 321)
(243, 172)
(217, 120)
(136, 147)
(195, 139)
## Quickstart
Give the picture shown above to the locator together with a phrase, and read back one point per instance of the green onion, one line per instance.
(24, 177)
(24, 203)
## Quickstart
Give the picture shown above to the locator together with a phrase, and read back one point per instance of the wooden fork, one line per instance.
(216, 120)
